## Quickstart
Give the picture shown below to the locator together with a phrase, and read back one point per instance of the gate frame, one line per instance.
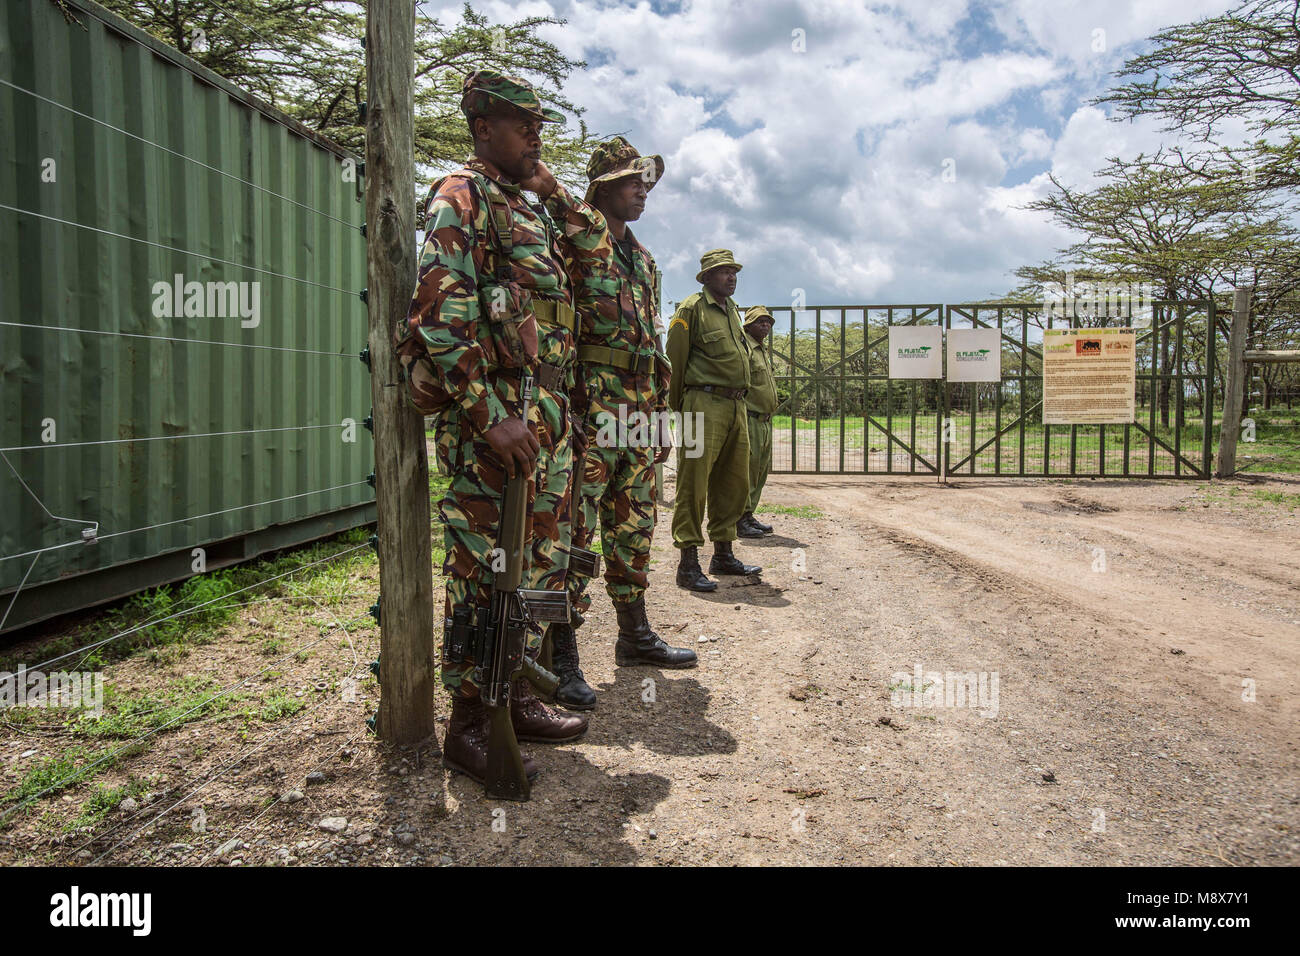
(1175, 311)
(811, 377)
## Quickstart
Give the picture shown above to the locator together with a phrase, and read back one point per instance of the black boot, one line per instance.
(724, 562)
(574, 692)
(637, 644)
(765, 528)
(689, 573)
(747, 527)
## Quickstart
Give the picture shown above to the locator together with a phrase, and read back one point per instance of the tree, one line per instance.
(1154, 221)
(1244, 63)
(305, 57)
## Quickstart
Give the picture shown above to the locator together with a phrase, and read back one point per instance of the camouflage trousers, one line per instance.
(470, 513)
(618, 501)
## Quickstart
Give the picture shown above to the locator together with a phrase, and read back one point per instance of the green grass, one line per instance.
(103, 802)
(1276, 447)
(56, 774)
(795, 511)
(203, 622)
(1234, 496)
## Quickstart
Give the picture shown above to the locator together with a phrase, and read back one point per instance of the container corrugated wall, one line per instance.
(93, 221)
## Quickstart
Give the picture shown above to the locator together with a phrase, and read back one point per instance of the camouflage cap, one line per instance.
(488, 93)
(714, 258)
(758, 313)
(616, 158)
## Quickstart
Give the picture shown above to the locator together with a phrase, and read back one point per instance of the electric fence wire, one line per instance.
(186, 252)
(37, 553)
(267, 809)
(173, 338)
(176, 153)
(197, 607)
(136, 741)
(215, 775)
(127, 441)
(163, 524)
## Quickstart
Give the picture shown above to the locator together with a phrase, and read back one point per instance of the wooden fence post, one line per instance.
(1230, 427)
(406, 714)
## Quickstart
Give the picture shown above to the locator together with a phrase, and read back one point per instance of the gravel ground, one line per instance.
(1134, 652)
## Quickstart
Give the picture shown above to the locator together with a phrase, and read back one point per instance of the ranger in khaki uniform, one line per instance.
(710, 361)
(492, 301)
(760, 403)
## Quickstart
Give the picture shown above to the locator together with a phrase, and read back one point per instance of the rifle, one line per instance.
(582, 562)
(503, 632)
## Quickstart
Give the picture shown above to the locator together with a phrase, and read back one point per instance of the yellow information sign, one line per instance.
(1089, 376)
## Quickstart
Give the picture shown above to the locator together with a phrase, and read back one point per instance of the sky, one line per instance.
(859, 153)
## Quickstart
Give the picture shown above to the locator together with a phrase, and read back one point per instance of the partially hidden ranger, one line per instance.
(620, 394)
(760, 403)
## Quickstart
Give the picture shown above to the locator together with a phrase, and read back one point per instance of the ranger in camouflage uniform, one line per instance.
(493, 300)
(760, 403)
(621, 393)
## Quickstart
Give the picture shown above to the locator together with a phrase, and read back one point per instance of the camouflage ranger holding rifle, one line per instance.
(492, 313)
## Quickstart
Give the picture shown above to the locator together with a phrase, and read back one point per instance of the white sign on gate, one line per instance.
(974, 355)
(915, 351)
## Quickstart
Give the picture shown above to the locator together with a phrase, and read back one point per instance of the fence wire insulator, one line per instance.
(369, 423)
(370, 479)
(374, 612)
(364, 296)
(373, 541)
(364, 355)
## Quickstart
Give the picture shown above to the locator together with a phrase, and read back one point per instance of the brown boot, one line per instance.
(534, 721)
(465, 746)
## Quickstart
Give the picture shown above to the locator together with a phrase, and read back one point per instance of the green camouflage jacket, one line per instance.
(618, 304)
(455, 285)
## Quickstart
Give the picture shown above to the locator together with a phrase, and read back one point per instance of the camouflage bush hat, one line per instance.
(714, 258)
(617, 158)
(487, 93)
(758, 313)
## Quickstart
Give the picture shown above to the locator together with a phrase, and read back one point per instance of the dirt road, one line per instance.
(1133, 648)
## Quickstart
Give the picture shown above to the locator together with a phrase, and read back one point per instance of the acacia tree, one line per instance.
(305, 57)
(1153, 221)
(1244, 64)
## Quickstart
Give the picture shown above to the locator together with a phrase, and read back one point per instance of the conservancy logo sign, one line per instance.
(915, 351)
(974, 355)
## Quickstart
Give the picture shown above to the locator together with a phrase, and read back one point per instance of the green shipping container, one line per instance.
(178, 293)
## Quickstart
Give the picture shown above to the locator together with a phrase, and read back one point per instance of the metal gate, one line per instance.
(839, 412)
(997, 428)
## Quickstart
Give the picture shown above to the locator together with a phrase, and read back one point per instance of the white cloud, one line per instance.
(822, 169)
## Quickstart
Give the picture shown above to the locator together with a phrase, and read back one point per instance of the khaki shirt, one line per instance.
(762, 388)
(706, 346)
